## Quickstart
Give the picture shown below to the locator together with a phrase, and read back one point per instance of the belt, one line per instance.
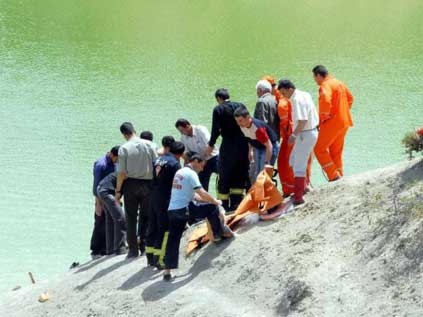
(180, 212)
(316, 127)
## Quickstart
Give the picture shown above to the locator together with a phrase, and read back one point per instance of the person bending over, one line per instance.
(188, 200)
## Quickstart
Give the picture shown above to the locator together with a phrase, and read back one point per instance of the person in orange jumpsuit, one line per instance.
(286, 174)
(275, 91)
(335, 101)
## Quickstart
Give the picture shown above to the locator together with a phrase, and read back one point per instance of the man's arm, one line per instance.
(122, 173)
(215, 132)
(206, 197)
(269, 150)
(260, 111)
(298, 129)
(121, 176)
(325, 103)
(97, 171)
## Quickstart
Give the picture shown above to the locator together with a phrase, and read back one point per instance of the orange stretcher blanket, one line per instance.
(262, 196)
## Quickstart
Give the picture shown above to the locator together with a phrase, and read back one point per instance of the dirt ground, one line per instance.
(355, 249)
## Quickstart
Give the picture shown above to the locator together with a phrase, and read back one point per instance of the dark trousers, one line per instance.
(115, 223)
(233, 172)
(177, 222)
(157, 231)
(137, 203)
(98, 237)
(212, 166)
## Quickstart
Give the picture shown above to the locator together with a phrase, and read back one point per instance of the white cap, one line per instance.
(264, 85)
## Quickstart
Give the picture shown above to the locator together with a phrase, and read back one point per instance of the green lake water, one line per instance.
(72, 71)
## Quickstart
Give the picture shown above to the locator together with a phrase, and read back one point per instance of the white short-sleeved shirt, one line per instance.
(303, 108)
(199, 141)
(185, 183)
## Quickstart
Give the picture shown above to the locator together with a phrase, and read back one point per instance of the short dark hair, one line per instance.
(177, 148)
(194, 156)
(222, 93)
(285, 84)
(182, 123)
(127, 128)
(146, 135)
(115, 150)
(320, 70)
(241, 111)
(167, 140)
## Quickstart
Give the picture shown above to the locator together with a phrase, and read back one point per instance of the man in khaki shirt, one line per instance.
(134, 181)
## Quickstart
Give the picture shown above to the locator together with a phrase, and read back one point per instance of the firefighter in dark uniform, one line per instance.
(233, 158)
(165, 168)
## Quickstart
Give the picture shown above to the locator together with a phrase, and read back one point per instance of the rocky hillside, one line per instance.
(355, 249)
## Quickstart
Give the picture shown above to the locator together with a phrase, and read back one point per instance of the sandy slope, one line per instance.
(356, 249)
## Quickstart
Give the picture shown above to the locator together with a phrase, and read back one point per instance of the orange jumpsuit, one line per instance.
(335, 101)
(286, 174)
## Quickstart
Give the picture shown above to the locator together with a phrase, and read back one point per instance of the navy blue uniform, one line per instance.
(233, 157)
(165, 168)
(102, 167)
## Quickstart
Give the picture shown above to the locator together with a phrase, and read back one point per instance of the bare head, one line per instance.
(184, 127)
(286, 87)
(263, 87)
(221, 95)
(127, 130)
(320, 73)
(243, 117)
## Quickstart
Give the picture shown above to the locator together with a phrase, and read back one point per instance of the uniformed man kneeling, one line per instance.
(189, 200)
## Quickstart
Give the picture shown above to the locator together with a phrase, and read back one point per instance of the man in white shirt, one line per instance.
(304, 136)
(196, 139)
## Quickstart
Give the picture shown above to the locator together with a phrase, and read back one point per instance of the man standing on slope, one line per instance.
(135, 174)
(266, 106)
(305, 119)
(165, 168)
(286, 174)
(335, 101)
(233, 158)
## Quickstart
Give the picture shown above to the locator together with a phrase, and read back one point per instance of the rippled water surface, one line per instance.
(72, 71)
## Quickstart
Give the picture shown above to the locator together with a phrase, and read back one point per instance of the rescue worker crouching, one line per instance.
(165, 168)
(189, 200)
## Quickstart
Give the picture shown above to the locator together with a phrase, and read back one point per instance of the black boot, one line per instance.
(235, 201)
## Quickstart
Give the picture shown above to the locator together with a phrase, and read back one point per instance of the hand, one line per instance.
(209, 150)
(251, 156)
(118, 196)
(218, 202)
(98, 208)
(291, 139)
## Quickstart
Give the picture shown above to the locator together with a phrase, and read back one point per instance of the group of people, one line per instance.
(161, 196)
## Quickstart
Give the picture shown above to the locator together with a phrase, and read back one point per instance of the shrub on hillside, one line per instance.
(413, 142)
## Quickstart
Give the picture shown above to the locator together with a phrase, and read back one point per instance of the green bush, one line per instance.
(412, 142)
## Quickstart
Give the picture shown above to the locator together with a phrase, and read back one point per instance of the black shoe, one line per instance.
(167, 277)
(132, 254)
(95, 256)
(159, 267)
(150, 259)
(142, 247)
(122, 250)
